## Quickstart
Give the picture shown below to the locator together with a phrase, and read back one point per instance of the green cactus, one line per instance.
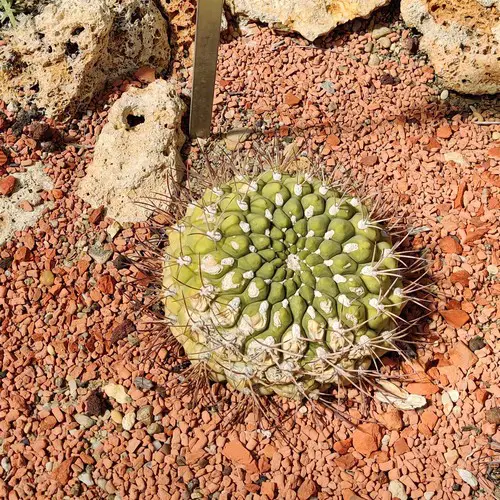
(7, 12)
(9, 9)
(282, 284)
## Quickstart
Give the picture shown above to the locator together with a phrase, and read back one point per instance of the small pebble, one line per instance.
(86, 478)
(95, 405)
(113, 229)
(444, 95)
(154, 428)
(143, 383)
(101, 482)
(476, 343)
(72, 387)
(145, 414)
(380, 32)
(468, 477)
(493, 416)
(47, 278)
(12, 107)
(384, 42)
(411, 44)
(75, 490)
(328, 86)
(84, 421)
(492, 269)
(116, 417)
(128, 421)
(397, 490)
(5, 463)
(99, 254)
(447, 403)
(118, 393)
(374, 60)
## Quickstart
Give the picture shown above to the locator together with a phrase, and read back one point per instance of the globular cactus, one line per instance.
(282, 284)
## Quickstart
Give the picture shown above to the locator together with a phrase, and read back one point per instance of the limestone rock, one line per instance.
(462, 40)
(137, 154)
(29, 186)
(311, 18)
(60, 58)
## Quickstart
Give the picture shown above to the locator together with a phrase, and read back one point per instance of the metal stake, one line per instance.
(208, 21)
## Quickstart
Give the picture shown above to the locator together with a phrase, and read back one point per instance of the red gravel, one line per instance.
(69, 323)
(7, 185)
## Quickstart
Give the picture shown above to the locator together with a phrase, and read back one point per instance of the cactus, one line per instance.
(9, 9)
(7, 13)
(282, 284)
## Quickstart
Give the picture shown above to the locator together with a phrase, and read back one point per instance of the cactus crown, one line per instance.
(282, 284)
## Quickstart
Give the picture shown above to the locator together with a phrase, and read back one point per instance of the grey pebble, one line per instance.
(84, 421)
(380, 32)
(154, 428)
(143, 383)
(99, 254)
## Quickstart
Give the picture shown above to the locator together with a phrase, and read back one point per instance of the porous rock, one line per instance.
(29, 186)
(182, 20)
(310, 18)
(63, 56)
(137, 154)
(461, 38)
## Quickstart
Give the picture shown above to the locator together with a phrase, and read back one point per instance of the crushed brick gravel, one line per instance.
(70, 324)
